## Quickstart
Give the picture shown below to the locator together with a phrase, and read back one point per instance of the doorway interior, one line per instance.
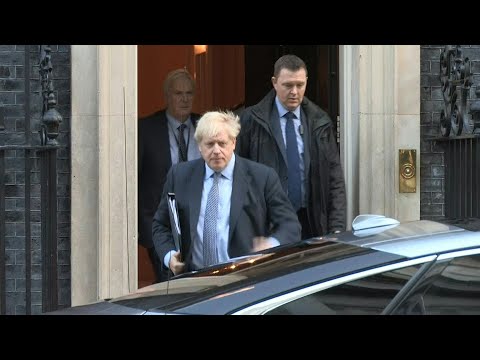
(230, 77)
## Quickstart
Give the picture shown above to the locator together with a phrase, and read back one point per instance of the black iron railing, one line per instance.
(458, 116)
(46, 151)
(462, 177)
(459, 126)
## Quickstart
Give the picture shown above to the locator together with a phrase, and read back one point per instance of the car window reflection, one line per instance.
(450, 288)
(366, 296)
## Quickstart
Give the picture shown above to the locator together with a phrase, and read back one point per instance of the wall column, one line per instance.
(104, 171)
(380, 113)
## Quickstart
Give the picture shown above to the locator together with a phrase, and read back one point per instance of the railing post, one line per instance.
(51, 118)
(28, 168)
(49, 131)
(3, 295)
(456, 78)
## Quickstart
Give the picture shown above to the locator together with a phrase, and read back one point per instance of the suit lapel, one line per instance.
(195, 194)
(277, 132)
(241, 180)
(164, 140)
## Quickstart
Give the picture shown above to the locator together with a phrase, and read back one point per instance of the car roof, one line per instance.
(412, 239)
(405, 240)
(251, 278)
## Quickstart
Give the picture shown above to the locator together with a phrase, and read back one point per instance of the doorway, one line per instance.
(229, 77)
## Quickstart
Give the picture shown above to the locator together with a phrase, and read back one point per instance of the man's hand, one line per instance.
(261, 243)
(175, 264)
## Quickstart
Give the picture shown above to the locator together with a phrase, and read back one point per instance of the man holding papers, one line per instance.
(227, 206)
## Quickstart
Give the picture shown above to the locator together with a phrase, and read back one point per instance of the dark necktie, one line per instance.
(182, 147)
(293, 159)
(210, 256)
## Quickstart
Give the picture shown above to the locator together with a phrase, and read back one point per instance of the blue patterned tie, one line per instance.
(293, 159)
(182, 147)
(210, 256)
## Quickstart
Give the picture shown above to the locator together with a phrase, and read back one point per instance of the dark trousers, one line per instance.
(307, 232)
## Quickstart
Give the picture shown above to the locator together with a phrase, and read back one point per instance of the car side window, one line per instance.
(366, 296)
(452, 288)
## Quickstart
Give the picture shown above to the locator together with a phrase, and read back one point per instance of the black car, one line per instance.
(381, 267)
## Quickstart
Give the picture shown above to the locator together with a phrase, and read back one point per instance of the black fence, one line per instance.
(39, 157)
(460, 129)
(462, 177)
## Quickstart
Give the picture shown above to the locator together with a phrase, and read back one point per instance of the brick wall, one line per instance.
(12, 99)
(432, 165)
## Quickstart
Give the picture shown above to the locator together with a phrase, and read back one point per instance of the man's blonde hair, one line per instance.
(210, 123)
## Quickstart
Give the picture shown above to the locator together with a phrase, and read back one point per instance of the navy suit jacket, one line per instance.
(259, 207)
(154, 161)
